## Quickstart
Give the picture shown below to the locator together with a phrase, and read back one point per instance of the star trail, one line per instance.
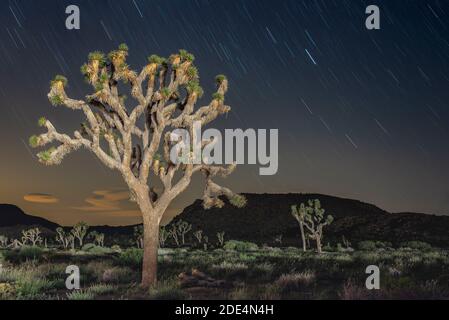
(361, 113)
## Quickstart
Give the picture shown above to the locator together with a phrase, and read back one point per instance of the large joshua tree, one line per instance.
(136, 141)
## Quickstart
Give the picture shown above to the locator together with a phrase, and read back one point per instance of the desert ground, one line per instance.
(237, 270)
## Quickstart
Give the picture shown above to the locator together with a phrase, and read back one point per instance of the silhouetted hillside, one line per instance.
(268, 215)
(11, 216)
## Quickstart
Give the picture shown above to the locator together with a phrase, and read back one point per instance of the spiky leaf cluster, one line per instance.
(33, 141)
(59, 79)
(238, 201)
(42, 121)
(156, 59)
(220, 78)
(218, 96)
(194, 87)
(186, 56)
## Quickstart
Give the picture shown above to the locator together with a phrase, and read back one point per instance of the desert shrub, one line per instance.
(7, 291)
(131, 257)
(270, 292)
(383, 244)
(239, 294)
(11, 256)
(418, 245)
(30, 253)
(167, 290)
(329, 248)
(230, 269)
(262, 271)
(295, 281)
(80, 295)
(100, 250)
(32, 288)
(351, 291)
(368, 257)
(101, 289)
(88, 246)
(27, 281)
(23, 254)
(118, 275)
(246, 258)
(240, 245)
(116, 248)
(367, 245)
(52, 270)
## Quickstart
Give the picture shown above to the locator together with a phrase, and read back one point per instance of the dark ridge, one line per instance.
(268, 215)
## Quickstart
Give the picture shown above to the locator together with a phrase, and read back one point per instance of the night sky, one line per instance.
(361, 114)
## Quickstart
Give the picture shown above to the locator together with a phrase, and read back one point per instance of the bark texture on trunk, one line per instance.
(303, 237)
(318, 244)
(150, 253)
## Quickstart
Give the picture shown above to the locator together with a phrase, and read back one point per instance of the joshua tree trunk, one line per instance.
(318, 243)
(150, 253)
(303, 237)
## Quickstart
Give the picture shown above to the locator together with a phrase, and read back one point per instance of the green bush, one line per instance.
(7, 291)
(116, 248)
(25, 253)
(240, 246)
(80, 295)
(30, 253)
(119, 275)
(101, 289)
(418, 245)
(131, 257)
(167, 290)
(32, 288)
(101, 250)
(88, 246)
(367, 245)
(383, 244)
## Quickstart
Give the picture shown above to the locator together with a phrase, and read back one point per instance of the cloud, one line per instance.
(107, 202)
(40, 198)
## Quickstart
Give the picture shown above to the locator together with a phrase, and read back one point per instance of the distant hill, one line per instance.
(13, 220)
(11, 216)
(268, 215)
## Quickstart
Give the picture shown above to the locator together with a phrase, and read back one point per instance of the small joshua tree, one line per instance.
(32, 236)
(198, 235)
(206, 242)
(278, 239)
(183, 228)
(61, 238)
(97, 237)
(299, 215)
(163, 236)
(346, 242)
(3, 241)
(221, 238)
(174, 233)
(166, 92)
(79, 231)
(312, 217)
(138, 235)
(70, 239)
